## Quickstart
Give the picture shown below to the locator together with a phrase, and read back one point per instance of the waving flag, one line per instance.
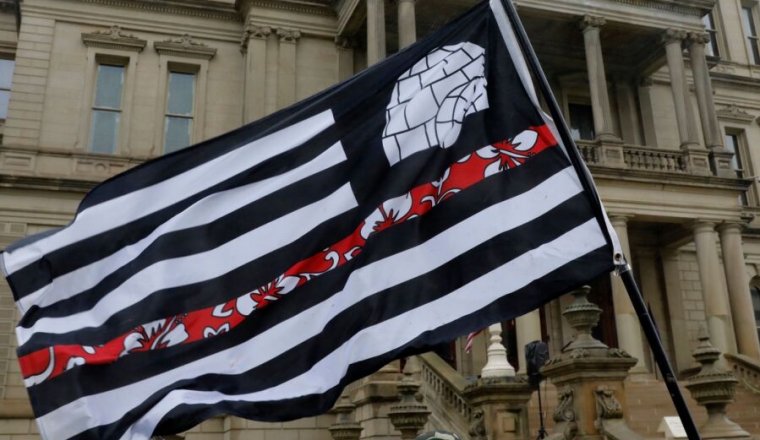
(258, 273)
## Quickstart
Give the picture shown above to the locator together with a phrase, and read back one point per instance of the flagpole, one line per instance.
(623, 268)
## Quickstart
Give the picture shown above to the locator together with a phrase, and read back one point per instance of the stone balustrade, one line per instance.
(449, 392)
(639, 158)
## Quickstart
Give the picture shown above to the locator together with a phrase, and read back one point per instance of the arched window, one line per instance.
(754, 289)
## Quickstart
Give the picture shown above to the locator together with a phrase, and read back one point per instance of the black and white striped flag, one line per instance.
(258, 273)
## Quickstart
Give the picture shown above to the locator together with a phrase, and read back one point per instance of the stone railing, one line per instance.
(746, 369)
(447, 386)
(650, 159)
(638, 158)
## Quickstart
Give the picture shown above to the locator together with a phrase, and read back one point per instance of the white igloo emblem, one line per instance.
(431, 100)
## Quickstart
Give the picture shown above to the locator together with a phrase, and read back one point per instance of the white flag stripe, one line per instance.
(362, 283)
(195, 268)
(400, 330)
(137, 204)
(201, 212)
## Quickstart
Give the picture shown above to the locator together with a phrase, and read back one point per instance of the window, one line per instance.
(755, 293)
(732, 143)
(581, 121)
(6, 75)
(178, 122)
(107, 108)
(750, 31)
(711, 49)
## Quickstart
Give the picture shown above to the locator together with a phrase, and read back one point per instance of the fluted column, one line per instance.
(626, 321)
(600, 101)
(721, 158)
(738, 290)
(407, 23)
(375, 31)
(345, 47)
(715, 297)
(254, 46)
(684, 116)
(528, 328)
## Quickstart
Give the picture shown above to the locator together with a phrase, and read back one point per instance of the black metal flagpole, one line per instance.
(624, 270)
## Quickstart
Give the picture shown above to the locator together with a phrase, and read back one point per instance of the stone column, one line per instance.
(600, 101)
(721, 159)
(528, 329)
(254, 46)
(407, 23)
(375, 31)
(713, 292)
(686, 126)
(738, 290)
(286, 86)
(626, 321)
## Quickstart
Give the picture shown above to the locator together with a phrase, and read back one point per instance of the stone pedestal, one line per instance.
(589, 376)
(500, 408)
(714, 387)
(345, 428)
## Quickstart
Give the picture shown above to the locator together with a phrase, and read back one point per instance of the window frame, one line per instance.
(168, 115)
(751, 38)
(714, 44)
(95, 58)
(742, 159)
(174, 63)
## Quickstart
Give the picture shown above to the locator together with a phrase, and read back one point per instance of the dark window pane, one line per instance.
(582, 122)
(181, 91)
(177, 133)
(105, 131)
(6, 73)
(756, 306)
(5, 97)
(109, 86)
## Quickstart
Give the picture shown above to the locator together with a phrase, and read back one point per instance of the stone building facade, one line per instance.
(663, 97)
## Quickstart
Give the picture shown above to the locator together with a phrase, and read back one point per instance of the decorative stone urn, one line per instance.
(408, 416)
(714, 388)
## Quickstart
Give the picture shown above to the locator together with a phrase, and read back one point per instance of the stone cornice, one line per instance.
(689, 7)
(114, 38)
(184, 46)
(317, 7)
(193, 8)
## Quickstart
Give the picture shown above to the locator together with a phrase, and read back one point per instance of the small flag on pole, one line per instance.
(258, 273)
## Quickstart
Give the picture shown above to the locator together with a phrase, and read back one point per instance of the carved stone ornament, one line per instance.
(592, 22)
(607, 406)
(698, 38)
(184, 46)
(478, 425)
(734, 113)
(344, 42)
(564, 411)
(288, 35)
(674, 36)
(113, 38)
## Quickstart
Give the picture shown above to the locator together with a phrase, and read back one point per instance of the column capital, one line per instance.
(344, 42)
(701, 38)
(701, 225)
(730, 227)
(590, 22)
(288, 35)
(674, 36)
(619, 219)
(254, 32)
